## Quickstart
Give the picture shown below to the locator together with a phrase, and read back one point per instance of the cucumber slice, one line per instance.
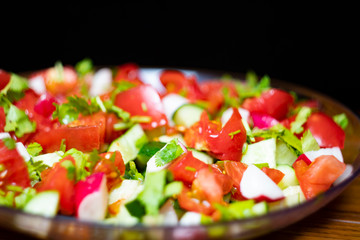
(261, 152)
(45, 203)
(171, 103)
(147, 151)
(202, 156)
(289, 178)
(293, 196)
(260, 208)
(49, 159)
(283, 154)
(168, 138)
(130, 143)
(187, 115)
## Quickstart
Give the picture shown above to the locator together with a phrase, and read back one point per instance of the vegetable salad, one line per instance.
(108, 145)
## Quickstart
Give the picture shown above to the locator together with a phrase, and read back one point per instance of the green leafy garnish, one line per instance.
(252, 87)
(9, 143)
(69, 166)
(301, 118)
(34, 149)
(341, 120)
(15, 88)
(232, 134)
(308, 142)
(131, 172)
(169, 152)
(80, 163)
(22, 199)
(35, 169)
(18, 121)
(84, 67)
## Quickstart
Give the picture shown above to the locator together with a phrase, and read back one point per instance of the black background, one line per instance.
(314, 45)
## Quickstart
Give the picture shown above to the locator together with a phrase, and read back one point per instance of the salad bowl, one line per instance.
(63, 227)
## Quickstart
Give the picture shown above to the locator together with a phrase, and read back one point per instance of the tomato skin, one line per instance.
(223, 143)
(212, 92)
(128, 72)
(60, 87)
(325, 130)
(143, 100)
(15, 167)
(112, 166)
(226, 146)
(4, 79)
(186, 167)
(273, 102)
(207, 184)
(2, 119)
(176, 82)
(274, 174)
(235, 170)
(319, 175)
(189, 202)
(110, 133)
(57, 178)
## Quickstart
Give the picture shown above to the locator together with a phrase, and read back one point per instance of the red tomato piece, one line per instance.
(128, 72)
(213, 93)
(112, 164)
(15, 170)
(274, 174)
(207, 185)
(224, 180)
(4, 79)
(143, 100)
(228, 144)
(273, 102)
(2, 119)
(110, 133)
(235, 170)
(188, 201)
(57, 86)
(57, 178)
(325, 130)
(185, 168)
(318, 176)
(176, 82)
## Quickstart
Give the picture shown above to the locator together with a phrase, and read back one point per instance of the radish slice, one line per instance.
(263, 121)
(255, 184)
(45, 105)
(91, 197)
(37, 84)
(335, 151)
(245, 114)
(101, 82)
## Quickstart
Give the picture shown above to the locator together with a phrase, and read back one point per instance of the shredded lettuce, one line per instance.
(341, 120)
(169, 152)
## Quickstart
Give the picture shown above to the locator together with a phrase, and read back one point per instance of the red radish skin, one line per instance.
(91, 197)
(263, 121)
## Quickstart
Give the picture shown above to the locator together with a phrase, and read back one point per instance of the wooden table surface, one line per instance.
(338, 220)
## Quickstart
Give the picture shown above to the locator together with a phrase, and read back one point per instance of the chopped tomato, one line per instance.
(185, 168)
(273, 102)
(177, 82)
(213, 93)
(59, 82)
(128, 72)
(110, 133)
(143, 100)
(235, 170)
(112, 164)
(274, 174)
(223, 143)
(189, 201)
(224, 180)
(2, 119)
(60, 179)
(208, 187)
(14, 170)
(4, 79)
(325, 130)
(319, 175)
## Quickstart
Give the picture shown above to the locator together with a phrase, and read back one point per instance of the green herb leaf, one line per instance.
(84, 67)
(19, 122)
(69, 166)
(169, 152)
(9, 143)
(341, 120)
(35, 169)
(34, 149)
(301, 118)
(80, 163)
(131, 172)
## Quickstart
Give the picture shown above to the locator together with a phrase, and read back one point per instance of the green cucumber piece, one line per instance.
(147, 151)
(283, 154)
(187, 115)
(261, 152)
(130, 143)
(45, 203)
(293, 196)
(289, 178)
(260, 208)
(202, 156)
